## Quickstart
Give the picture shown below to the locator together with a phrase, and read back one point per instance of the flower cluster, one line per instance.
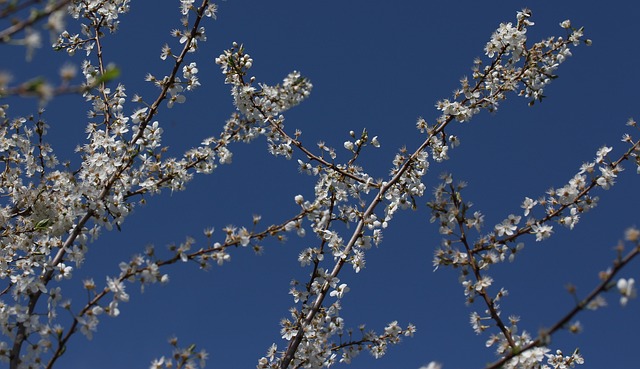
(97, 14)
(514, 67)
(318, 348)
(564, 205)
(340, 191)
(52, 212)
(181, 357)
(507, 72)
(267, 102)
(627, 288)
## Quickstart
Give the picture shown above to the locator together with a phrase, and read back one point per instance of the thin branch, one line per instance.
(542, 340)
(269, 231)
(5, 35)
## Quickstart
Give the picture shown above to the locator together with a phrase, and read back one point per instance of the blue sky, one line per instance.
(378, 66)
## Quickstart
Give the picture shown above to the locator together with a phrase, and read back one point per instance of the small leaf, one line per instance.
(109, 75)
(43, 224)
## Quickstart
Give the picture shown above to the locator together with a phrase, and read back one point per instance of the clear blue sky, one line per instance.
(377, 65)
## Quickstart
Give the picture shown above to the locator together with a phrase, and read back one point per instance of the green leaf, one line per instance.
(109, 75)
(43, 224)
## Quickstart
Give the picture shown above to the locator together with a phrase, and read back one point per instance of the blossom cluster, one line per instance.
(563, 205)
(53, 211)
(338, 192)
(181, 357)
(525, 70)
(342, 190)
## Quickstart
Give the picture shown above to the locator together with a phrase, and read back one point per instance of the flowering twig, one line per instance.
(127, 160)
(5, 34)
(461, 111)
(607, 279)
(147, 271)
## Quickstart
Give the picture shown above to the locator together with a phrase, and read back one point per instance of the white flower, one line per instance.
(602, 153)
(527, 205)
(117, 288)
(432, 365)
(508, 226)
(340, 291)
(375, 142)
(571, 220)
(541, 231)
(348, 145)
(607, 179)
(627, 288)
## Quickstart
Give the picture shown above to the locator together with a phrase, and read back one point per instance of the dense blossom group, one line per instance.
(51, 211)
